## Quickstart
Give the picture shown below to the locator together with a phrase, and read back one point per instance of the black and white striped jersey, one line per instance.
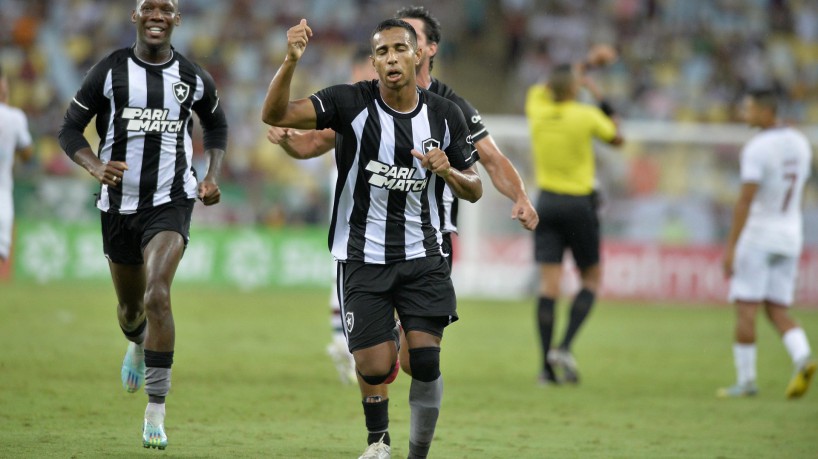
(477, 132)
(144, 117)
(386, 207)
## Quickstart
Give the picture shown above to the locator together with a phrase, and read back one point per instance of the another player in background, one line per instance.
(15, 142)
(301, 144)
(562, 133)
(764, 244)
(385, 229)
(503, 175)
(143, 98)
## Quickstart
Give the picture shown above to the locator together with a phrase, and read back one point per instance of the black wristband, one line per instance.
(606, 108)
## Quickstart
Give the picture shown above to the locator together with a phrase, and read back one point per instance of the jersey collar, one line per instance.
(148, 65)
(396, 114)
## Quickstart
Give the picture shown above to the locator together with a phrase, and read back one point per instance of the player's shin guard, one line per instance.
(425, 396)
(157, 373)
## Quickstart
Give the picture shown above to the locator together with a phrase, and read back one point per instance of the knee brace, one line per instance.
(377, 380)
(425, 363)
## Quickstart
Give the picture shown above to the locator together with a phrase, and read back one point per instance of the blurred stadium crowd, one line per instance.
(680, 60)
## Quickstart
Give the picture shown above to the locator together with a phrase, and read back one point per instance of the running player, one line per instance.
(143, 98)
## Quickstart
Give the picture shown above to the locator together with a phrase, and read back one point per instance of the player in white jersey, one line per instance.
(15, 141)
(764, 244)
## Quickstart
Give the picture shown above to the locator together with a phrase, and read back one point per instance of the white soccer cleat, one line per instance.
(379, 450)
(133, 368)
(153, 434)
(564, 361)
(343, 360)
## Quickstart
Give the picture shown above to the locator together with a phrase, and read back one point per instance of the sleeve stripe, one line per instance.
(479, 132)
(78, 103)
(215, 106)
(320, 102)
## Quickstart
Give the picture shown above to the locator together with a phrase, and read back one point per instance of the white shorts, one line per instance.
(760, 275)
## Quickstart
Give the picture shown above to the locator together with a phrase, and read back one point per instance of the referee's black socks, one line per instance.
(545, 321)
(580, 308)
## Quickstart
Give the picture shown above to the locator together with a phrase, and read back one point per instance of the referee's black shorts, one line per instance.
(567, 222)
(124, 236)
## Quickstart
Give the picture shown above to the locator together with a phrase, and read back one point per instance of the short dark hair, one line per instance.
(393, 23)
(561, 81)
(765, 97)
(431, 26)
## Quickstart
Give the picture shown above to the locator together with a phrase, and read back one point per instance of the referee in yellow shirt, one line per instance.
(562, 133)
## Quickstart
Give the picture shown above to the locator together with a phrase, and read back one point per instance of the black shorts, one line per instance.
(566, 222)
(124, 236)
(371, 293)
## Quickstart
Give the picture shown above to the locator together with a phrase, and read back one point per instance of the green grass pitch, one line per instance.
(251, 379)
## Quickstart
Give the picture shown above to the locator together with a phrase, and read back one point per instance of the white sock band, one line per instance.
(795, 340)
(744, 356)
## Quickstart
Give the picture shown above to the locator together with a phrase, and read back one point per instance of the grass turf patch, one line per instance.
(251, 379)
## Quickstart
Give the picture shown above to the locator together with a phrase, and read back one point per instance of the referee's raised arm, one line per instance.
(278, 110)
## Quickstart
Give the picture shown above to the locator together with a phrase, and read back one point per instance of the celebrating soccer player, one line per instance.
(308, 144)
(400, 145)
(143, 97)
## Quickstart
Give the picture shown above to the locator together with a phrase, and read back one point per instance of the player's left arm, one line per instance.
(740, 213)
(507, 180)
(214, 135)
